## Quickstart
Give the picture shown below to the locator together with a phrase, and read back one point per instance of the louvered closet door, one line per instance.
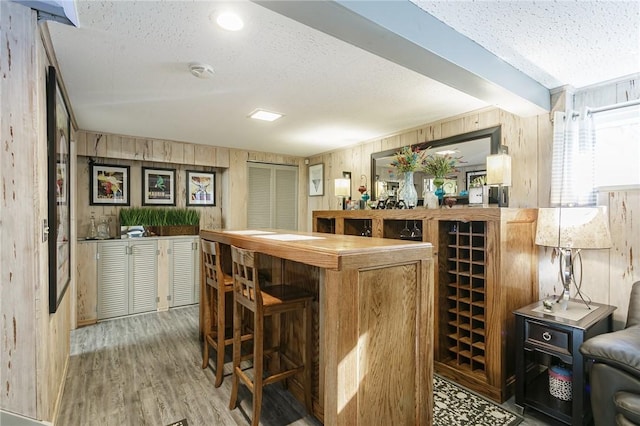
(286, 196)
(113, 279)
(273, 196)
(183, 272)
(259, 200)
(143, 274)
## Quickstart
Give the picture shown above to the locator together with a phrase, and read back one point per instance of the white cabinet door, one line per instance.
(127, 277)
(143, 275)
(184, 271)
(113, 279)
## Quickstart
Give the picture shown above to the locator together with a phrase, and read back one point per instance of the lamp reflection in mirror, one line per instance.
(499, 174)
(342, 189)
(570, 230)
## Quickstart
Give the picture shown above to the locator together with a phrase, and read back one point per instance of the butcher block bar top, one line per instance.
(373, 321)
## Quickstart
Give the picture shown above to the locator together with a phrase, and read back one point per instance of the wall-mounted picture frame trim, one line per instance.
(158, 186)
(316, 180)
(109, 184)
(58, 194)
(201, 188)
(471, 175)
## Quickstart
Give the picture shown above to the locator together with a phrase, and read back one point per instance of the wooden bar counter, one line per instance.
(373, 323)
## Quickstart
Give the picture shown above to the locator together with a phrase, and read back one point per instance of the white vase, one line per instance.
(430, 199)
(407, 192)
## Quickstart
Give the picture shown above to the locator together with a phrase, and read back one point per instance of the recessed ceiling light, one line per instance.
(261, 114)
(446, 152)
(230, 21)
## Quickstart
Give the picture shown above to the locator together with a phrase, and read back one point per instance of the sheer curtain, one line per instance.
(573, 163)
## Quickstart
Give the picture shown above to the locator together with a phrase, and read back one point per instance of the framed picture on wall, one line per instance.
(158, 187)
(316, 180)
(58, 197)
(474, 175)
(109, 184)
(62, 181)
(201, 188)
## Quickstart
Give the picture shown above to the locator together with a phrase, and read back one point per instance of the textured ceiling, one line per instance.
(578, 43)
(126, 71)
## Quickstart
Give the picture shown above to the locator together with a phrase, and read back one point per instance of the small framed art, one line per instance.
(109, 184)
(201, 188)
(158, 187)
(474, 175)
(316, 180)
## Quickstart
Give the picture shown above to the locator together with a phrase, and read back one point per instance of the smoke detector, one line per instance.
(201, 70)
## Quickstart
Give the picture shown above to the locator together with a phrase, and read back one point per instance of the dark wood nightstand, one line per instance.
(545, 339)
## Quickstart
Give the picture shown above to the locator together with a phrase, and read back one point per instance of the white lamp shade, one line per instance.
(499, 169)
(342, 187)
(573, 227)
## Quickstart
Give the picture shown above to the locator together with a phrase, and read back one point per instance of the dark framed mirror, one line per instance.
(473, 147)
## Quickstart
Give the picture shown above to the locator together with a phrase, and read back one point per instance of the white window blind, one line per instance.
(273, 196)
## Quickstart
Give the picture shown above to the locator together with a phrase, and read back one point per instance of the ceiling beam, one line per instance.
(401, 32)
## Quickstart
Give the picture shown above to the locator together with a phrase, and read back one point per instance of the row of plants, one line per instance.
(147, 216)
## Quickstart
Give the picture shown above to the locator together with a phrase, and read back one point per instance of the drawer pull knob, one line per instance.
(546, 336)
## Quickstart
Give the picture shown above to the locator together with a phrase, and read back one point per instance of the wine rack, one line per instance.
(465, 283)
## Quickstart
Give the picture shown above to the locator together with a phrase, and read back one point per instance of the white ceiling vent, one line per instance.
(201, 70)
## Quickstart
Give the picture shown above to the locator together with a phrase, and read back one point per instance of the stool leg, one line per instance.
(308, 356)
(258, 367)
(205, 304)
(237, 324)
(220, 316)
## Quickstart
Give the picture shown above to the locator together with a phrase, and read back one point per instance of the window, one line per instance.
(617, 150)
(598, 150)
(273, 196)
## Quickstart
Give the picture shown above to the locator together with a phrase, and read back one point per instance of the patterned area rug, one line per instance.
(454, 405)
(182, 422)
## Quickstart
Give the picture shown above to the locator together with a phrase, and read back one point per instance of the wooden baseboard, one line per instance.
(84, 323)
(56, 407)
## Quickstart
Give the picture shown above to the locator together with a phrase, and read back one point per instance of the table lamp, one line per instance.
(570, 230)
(342, 190)
(499, 174)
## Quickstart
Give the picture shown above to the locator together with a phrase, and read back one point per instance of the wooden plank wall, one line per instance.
(35, 346)
(230, 166)
(523, 136)
(137, 153)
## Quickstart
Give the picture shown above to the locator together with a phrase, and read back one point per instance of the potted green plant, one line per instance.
(439, 166)
(147, 221)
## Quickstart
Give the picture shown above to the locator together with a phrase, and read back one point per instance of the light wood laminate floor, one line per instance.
(145, 370)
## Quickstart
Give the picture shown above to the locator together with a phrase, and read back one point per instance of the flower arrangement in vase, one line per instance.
(407, 161)
(439, 166)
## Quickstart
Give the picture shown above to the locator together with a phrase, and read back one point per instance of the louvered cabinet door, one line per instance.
(113, 279)
(143, 275)
(183, 271)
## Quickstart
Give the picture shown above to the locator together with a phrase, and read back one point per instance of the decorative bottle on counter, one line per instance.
(93, 232)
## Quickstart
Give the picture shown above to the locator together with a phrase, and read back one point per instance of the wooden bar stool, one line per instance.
(264, 302)
(216, 285)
